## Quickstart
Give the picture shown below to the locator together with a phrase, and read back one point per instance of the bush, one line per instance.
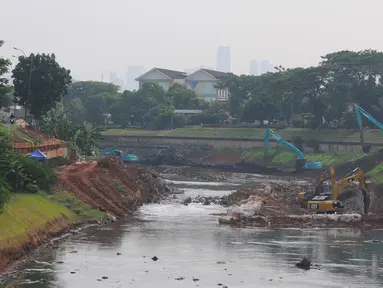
(25, 171)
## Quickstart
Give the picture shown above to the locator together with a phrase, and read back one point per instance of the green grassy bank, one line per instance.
(371, 136)
(26, 214)
(283, 157)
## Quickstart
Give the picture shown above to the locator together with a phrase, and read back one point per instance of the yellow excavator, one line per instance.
(321, 188)
(326, 197)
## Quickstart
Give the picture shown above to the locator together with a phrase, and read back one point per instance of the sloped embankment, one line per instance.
(28, 221)
(108, 185)
(112, 186)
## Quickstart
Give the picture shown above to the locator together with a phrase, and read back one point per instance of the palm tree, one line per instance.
(85, 138)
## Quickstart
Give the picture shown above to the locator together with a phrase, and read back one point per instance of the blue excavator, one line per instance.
(301, 163)
(118, 153)
(359, 112)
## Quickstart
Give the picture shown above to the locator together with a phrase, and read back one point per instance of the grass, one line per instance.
(376, 174)
(280, 157)
(26, 213)
(371, 136)
(82, 210)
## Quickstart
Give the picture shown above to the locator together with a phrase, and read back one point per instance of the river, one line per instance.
(194, 251)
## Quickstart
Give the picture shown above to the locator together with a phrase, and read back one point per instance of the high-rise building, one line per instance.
(223, 59)
(254, 69)
(115, 80)
(266, 66)
(130, 76)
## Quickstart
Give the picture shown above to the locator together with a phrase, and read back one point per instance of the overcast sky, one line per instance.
(94, 36)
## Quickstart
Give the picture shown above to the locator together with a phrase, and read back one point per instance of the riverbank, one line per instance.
(171, 231)
(85, 193)
(333, 135)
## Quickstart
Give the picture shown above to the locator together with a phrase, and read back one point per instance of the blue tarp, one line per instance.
(38, 155)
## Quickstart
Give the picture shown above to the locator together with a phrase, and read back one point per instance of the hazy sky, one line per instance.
(94, 36)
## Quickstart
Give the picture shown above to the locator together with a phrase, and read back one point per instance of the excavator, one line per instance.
(321, 187)
(325, 200)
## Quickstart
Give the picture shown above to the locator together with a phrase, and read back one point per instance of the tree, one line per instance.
(85, 138)
(84, 89)
(182, 98)
(97, 107)
(134, 107)
(4, 87)
(39, 83)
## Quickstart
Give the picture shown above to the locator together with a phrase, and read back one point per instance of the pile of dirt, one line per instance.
(112, 186)
(277, 198)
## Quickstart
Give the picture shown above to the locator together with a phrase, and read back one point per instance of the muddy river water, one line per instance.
(194, 251)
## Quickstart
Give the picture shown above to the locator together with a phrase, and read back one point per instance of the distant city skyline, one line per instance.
(114, 79)
(254, 67)
(266, 66)
(130, 76)
(223, 61)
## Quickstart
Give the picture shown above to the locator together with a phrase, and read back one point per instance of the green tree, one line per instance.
(86, 137)
(56, 123)
(98, 106)
(134, 107)
(39, 83)
(4, 87)
(84, 89)
(182, 98)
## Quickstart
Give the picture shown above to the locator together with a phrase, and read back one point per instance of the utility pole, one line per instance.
(29, 83)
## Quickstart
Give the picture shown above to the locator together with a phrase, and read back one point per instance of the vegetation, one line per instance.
(376, 174)
(81, 137)
(323, 91)
(280, 157)
(70, 201)
(33, 89)
(25, 213)
(19, 173)
(4, 87)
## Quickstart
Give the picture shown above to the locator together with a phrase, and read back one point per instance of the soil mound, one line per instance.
(277, 199)
(112, 186)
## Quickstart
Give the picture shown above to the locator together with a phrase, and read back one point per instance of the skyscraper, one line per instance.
(133, 73)
(223, 59)
(115, 80)
(266, 66)
(254, 69)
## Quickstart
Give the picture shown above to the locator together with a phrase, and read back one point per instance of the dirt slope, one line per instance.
(110, 185)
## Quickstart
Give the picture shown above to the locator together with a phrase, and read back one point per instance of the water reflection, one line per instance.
(189, 243)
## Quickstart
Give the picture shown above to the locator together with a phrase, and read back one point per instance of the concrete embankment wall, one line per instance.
(158, 142)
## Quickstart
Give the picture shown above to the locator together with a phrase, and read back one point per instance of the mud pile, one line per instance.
(112, 186)
(277, 199)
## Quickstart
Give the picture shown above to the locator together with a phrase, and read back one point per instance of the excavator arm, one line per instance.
(359, 112)
(323, 204)
(355, 175)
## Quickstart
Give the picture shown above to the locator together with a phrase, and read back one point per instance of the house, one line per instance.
(203, 83)
(164, 77)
